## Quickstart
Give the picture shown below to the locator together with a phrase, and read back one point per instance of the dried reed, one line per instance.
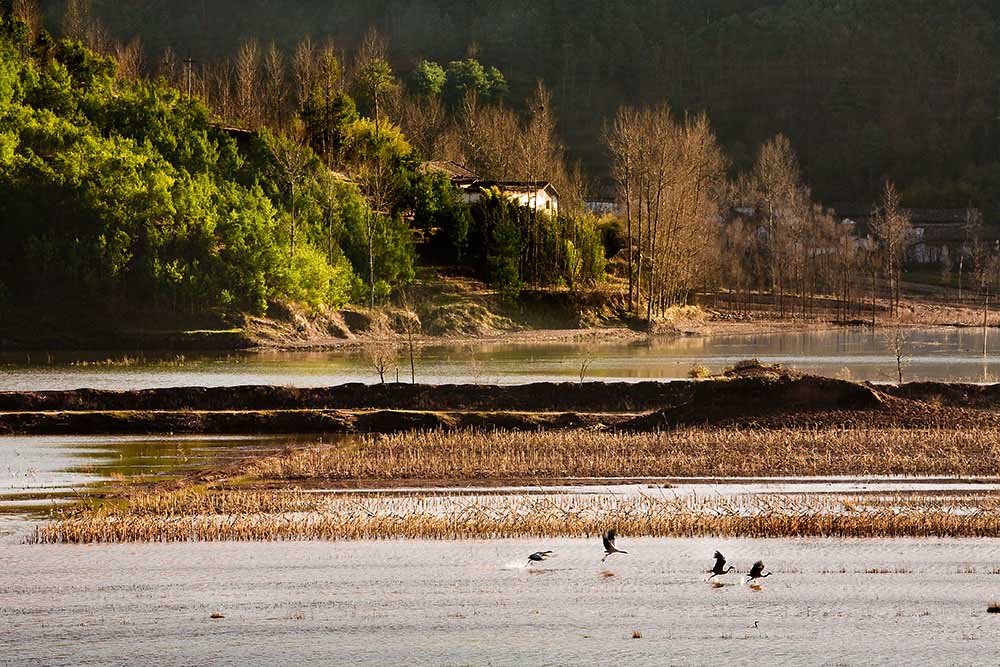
(257, 516)
(471, 455)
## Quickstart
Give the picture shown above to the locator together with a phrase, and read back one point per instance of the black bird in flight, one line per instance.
(609, 545)
(756, 571)
(720, 565)
(539, 556)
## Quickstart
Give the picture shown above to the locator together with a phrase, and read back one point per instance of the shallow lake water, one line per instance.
(931, 354)
(38, 473)
(475, 603)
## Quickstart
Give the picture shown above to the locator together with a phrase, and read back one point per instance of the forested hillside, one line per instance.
(864, 88)
(123, 198)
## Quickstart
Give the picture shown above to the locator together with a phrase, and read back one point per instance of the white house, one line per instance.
(535, 195)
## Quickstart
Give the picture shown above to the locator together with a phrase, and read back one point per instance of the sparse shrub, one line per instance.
(699, 372)
(747, 365)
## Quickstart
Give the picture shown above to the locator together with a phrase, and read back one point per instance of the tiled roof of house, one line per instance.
(456, 172)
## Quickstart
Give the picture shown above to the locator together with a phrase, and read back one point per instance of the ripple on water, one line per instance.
(414, 602)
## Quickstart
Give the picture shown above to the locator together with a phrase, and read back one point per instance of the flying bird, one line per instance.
(720, 565)
(538, 557)
(757, 570)
(609, 545)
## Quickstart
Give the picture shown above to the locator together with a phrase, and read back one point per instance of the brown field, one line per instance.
(689, 452)
(235, 515)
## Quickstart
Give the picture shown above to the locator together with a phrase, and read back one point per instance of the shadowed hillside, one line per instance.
(863, 88)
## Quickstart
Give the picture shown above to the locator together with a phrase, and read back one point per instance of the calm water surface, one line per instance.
(934, 354)
(38, 473)
(474, 603)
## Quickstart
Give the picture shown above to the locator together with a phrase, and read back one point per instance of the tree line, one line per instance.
(759, 239)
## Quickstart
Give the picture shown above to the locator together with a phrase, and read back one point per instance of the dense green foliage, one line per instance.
(514, 246)
(865, 89)
(123, 197)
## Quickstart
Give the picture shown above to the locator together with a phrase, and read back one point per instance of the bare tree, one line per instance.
(219, 89)
(129, 57)
(972, 245)
(276, 91)
(304, 71)
(779, 195)
(411, 326)
(381, 355)
(292, 160)
(621, 138)
(425, 122)
(987, 275)
(585, 364)
(486, 133)
(670, 176)
(892, 229)
(248, 83)
(898, 345)
(167, 67)
(76, 20)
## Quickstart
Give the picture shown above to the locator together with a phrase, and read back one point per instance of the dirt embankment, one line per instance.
(752, 395)
(538, 397)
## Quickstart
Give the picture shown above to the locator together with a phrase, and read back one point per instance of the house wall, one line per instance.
(541, 199)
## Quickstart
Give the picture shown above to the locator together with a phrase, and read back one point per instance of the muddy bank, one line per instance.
(288, 421)
(754, 390)
(539, 397)
(753, 395)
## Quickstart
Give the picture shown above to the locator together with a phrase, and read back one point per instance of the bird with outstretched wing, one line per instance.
(539, 556)
(756, 572)
(720, 565)
(609, 545)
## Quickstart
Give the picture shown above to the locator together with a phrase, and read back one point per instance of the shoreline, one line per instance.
(289, 329)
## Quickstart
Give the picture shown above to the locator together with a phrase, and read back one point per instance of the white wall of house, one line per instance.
(539, 200)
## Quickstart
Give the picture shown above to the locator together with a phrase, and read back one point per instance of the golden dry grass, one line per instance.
(264, 516)
(471, 455)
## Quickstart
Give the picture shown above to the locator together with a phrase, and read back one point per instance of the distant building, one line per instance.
(536, 195)
(601, 206)
(933, 231)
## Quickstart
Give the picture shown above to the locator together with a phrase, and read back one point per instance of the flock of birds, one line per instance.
(719, 569)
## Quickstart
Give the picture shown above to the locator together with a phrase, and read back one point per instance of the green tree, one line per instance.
(376, 80)
(428, 79)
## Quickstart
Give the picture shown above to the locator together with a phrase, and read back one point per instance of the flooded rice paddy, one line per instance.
(934, 354)
(845, 602)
